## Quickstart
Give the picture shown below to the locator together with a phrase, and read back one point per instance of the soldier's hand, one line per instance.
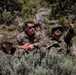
(31, 47)
(36, 44)
(25, 46)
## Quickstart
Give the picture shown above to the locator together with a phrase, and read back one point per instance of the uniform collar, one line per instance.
(53, 38)
(26, 35)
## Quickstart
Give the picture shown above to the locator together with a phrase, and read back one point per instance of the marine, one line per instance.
(59, 42)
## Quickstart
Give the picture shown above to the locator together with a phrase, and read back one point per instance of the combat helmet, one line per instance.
(9, 39)
(55, 26)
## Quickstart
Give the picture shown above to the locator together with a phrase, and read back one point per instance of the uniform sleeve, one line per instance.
(69, 35)
(19, 39)
(42, 41)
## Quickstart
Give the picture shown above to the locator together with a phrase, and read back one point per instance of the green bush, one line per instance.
(52, 64)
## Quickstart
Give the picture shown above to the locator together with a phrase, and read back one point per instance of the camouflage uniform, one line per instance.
(22, 38)
(9, 53)
(62, 45)
(4, 62)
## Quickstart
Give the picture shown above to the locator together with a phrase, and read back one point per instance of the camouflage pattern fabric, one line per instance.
(7, 55)
(58, 46)
(56, 26)
(72, 49)
(61, 46)
(23, 38)
(40, 50)
(8, 43)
